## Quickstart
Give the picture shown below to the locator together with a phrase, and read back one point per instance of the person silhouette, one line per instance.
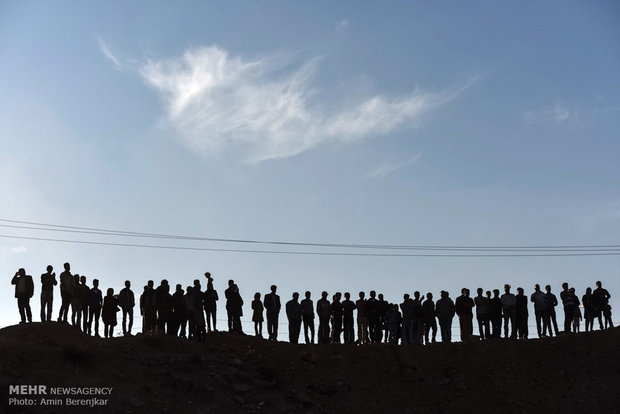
(393, 319)
(127, 301)
(362, 320)
(600, 298)
(199, 316)
(509, 302)
(323, 310)
(463, 307)
(495, 314)
(164, 305)
(166, 310)
(24, 290)
(347, 318)
(178, 310)
(428, 315)
(66, 289)
(383, 307)
(294, 314)
(576, 320)
(336, 318)
(550, 319)
(257, 315)
(190, 315)
(569, 307)
(95, 303)
(148, 309)
(540, 308)
(307, 308)
(210, 299)
(445, 313)
(570, 302)
(607, 315)
(227, 295)
(521, 314)
(408, 320)
(272, 306)
(84, 291)
(48, 281)
(78, 299)
(236, 309)
(372, 313)
(588, 312)
(108, 313)
(418, 321)
(482, 313)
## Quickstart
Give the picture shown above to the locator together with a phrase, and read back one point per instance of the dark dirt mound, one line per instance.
(238, 374)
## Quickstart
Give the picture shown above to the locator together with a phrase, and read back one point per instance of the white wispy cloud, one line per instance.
(268, 109)
(389, 167)
(604, 215)
(558, 113)
(342, 25)
(6, 252)
(107, 52)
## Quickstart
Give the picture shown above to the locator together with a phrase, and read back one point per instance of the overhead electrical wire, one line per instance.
(468, 251)
(591, 253)
(122, 233)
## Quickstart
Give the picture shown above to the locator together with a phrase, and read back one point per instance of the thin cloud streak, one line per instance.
(389, 167)
(266, 108)
(559, 114)
(107, 52)
(6, 252)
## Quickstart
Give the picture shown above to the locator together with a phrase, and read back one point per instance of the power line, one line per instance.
(593, 253)
(107, 232)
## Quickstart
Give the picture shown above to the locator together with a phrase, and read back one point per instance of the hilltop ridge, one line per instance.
(239, 374)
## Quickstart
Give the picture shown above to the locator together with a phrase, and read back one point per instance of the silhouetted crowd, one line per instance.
(192, 312)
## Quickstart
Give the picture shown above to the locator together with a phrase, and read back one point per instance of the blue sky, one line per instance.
(400, 123)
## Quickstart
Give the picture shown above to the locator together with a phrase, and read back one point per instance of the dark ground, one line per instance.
(239, 374)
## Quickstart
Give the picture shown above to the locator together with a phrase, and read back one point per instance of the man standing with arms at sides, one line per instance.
(383, 306)
(178, 309)
(428, 313)
(418, 321)
(66, 288)
(336, 317)
(48, 281)
(95, 302)
(127, 301)
(600, 299)
(540, 308)
(347, 318)
(148, 308)
(569, 308)
(228, 294)
(521, 314)
(482, 314)
(324, 312)
(495, 308)
(24, 290)
(509, 303)
(272, 306)
(445, 312)
(408, 320)
(362, 320)
(210, 299)
(551, 302)
(373, 316)
(307, 308)
(294, 315)
(463, 307)
(85, 290)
